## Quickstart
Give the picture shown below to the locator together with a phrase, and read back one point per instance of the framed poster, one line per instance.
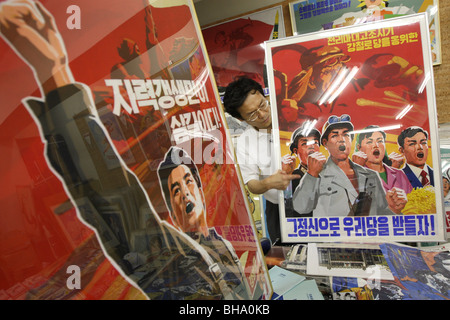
(444, 134)
(357, 113)
(235, 47)
(314, 15)
(114, 121)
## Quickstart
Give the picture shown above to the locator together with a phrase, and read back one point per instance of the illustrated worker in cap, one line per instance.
(337, 186)
(305, 140)
(183, 193)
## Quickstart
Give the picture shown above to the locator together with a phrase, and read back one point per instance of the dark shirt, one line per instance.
(289, 208)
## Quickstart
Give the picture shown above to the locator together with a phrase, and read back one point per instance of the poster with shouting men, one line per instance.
(356, 120)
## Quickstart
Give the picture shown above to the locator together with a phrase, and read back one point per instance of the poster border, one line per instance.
(436, 18)
(229, 142)
(420, 18)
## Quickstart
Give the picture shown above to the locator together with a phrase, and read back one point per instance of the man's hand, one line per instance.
(316, 161)
(31, 31)
(396, 199)
(360, 158)
(279, 181)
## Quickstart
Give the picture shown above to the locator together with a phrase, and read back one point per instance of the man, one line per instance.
(182, 191)
(372, 154)
(244, 99)
(337, 186)
(305, 140)
(413, 143)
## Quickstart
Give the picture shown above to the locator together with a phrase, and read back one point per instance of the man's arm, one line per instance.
(251, 172)
(279, 181)
(306, 195)
(31, 31)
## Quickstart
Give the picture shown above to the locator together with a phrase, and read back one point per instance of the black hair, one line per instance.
(339, 125)
(408, 133)
(368, 134)
(299, 133)
(236, 92)
(174, 158)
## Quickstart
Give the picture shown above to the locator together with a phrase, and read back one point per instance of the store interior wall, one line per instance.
(210, 12)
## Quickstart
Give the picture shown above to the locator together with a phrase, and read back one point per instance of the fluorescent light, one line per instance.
(386, 128)
(344, 84)
(424, 83)
(342, 73)
(404, 111)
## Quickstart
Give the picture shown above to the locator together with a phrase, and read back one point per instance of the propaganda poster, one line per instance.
(356, 120)
(118, 179)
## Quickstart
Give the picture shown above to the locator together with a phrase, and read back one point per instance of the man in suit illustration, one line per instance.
(413, 143)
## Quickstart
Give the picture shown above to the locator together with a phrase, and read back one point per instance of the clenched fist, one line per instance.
(316, 161)
(31, 31)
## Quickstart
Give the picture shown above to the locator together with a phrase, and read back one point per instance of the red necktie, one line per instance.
(425, 180)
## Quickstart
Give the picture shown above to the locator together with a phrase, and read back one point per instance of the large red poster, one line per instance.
(104, 104)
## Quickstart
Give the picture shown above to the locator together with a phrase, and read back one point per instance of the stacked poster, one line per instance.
(419, 274)
(314, 15)
(236, 47)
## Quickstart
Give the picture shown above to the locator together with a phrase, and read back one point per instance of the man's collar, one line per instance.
(417, 170)
(261, 132)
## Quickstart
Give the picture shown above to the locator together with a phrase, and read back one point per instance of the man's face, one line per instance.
(415, 150)
(256, 105)
(374, 147)
(328, 74)
(338, 143)
(195, 66)
(186, 199)
(305, 147)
